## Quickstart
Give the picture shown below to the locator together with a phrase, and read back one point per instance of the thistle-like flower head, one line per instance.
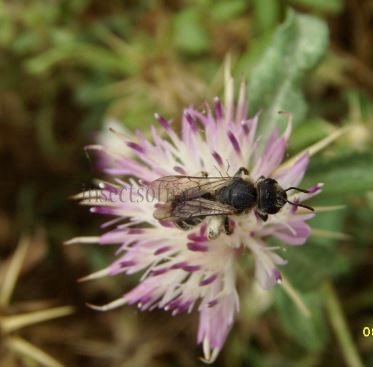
(184, 270)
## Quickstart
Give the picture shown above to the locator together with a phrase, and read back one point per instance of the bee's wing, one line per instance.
(163, 211)
(187, 187)
(200, 207)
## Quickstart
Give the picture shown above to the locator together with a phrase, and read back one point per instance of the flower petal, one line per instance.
(214, 325)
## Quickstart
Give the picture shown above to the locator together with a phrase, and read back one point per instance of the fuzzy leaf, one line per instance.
(345, 174)
(309, 332)
(275, 83)
(319, 258)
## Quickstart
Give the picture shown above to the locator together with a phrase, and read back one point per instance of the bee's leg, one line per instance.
(187, 224)
(214, 226)
(241, 171)
(228, 226)
(182, 225)
(262, 216)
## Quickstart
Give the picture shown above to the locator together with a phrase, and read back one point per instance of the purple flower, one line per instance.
(185, 270)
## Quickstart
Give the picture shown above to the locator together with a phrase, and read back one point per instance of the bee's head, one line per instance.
(272, 197)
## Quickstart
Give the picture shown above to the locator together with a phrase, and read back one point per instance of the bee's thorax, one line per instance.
(240, 194)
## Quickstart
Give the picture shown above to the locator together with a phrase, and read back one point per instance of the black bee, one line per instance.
(188, 200)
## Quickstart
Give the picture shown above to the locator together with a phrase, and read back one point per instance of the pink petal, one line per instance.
(271, 157)
(215, 322)
(298, 236)
(293, 175)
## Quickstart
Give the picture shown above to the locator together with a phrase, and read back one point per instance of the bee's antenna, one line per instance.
(301, 205)
(298, 189)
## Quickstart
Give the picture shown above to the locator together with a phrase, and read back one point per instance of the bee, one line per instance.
(188, 200)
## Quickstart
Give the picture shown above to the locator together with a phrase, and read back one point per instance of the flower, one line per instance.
(184, 270)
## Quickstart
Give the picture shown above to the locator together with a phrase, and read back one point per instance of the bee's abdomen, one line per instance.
(241, 195)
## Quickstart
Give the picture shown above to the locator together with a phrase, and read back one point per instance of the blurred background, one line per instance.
(68, 66)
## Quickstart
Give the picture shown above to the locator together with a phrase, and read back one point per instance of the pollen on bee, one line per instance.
(214, 226)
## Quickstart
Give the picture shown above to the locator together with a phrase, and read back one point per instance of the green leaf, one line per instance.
(267, 13)
(225, 10)
(332, 6)
(250, 57)
(319, 258)
(189, 32)
(313, 263)
(84, 53)
(309, 332)
(344, 174)
(275, 83)
(309, 133)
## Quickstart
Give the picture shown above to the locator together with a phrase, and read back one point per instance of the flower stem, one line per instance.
(340, 326)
